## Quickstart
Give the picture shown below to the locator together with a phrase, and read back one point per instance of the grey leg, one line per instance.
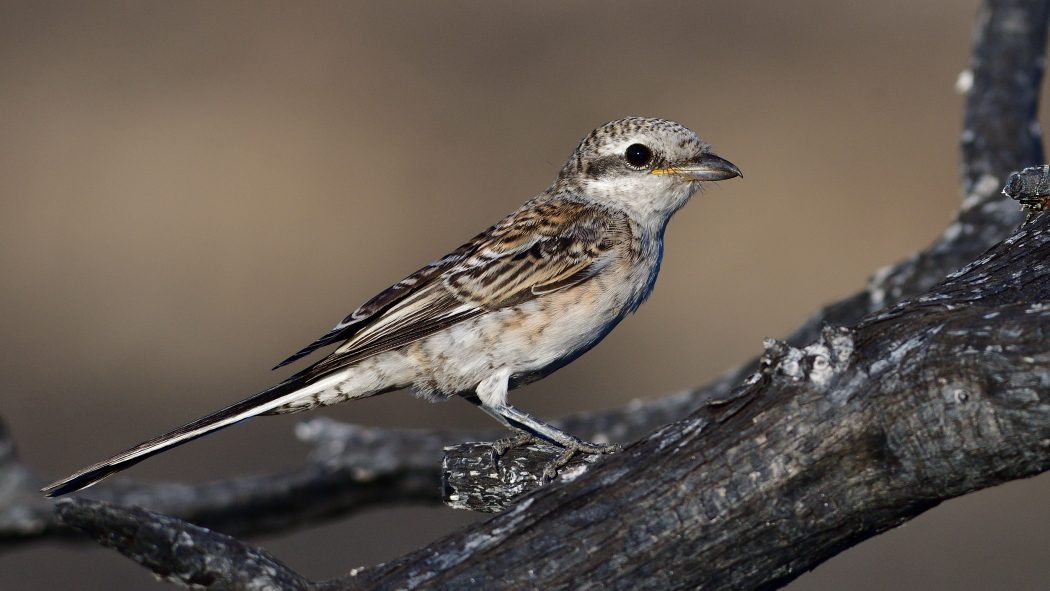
(532, 430)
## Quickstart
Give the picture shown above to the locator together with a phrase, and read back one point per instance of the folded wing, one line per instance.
(530, 253)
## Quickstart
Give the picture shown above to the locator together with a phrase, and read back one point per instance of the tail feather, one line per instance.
(262, 402)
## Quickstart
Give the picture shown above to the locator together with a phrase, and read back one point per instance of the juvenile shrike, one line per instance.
(520, 300)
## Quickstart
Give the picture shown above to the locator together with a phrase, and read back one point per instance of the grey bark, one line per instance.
(825, 446)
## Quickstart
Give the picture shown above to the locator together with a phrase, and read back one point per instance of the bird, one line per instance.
(517, 302)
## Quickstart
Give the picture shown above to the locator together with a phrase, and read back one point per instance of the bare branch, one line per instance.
(177, 551)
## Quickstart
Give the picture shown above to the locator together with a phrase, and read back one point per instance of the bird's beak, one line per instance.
(705, 168)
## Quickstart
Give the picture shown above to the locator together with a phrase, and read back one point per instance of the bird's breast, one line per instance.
(534, 338)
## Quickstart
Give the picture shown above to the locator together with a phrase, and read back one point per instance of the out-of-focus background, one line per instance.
(191, 191)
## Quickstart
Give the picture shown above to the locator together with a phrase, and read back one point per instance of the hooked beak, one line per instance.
(705, 168)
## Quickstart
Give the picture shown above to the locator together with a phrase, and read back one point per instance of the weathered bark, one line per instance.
(473, 478)
(169, 547)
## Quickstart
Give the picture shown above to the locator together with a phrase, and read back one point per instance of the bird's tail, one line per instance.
(261, 403)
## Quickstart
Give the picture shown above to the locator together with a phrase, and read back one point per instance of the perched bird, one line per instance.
(517, 302)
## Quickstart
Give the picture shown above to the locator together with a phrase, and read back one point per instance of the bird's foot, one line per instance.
(578, 446)
(572, 447)
(502, 446)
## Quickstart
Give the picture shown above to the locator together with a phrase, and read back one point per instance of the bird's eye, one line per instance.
(638, 155)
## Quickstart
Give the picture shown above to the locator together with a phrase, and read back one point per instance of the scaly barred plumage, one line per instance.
(518, 301)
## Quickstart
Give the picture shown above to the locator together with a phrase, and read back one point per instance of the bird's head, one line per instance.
(648, 167)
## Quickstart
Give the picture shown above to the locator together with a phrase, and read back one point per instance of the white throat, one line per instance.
(649, 200)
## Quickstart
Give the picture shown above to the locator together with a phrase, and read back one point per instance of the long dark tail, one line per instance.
(261, 403)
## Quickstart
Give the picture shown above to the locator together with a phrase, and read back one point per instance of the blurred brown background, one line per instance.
(191, 191)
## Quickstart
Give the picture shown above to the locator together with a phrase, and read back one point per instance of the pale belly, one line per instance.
(530, 341)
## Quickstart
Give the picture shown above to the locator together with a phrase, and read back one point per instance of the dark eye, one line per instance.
(638, 155)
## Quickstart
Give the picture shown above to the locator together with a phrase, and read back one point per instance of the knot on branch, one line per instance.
(1030, 187)
(473, 478)
(816, 363)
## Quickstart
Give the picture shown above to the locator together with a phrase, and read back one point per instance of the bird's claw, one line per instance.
(502, 446)
(550, 471)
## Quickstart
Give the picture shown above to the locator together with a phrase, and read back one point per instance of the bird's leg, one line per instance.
(501, 446)
(532, 430)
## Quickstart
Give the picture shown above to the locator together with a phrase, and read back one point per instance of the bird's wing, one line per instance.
(536, 251)
(531, 253)
(375, 307)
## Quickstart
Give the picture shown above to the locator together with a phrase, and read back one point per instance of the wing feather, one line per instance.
(532, 257)
(536, 251)
(375, 307)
